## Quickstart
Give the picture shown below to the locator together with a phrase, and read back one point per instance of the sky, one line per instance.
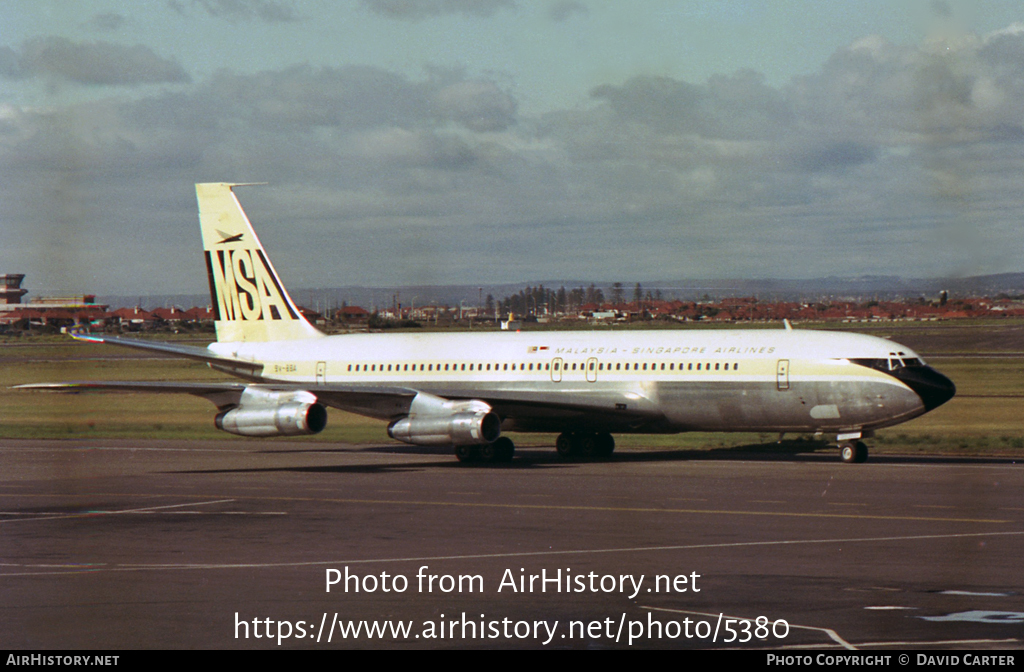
(412, 142)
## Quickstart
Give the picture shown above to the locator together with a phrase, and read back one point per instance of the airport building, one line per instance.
(10, 289)
(11, 293)
(55, 310)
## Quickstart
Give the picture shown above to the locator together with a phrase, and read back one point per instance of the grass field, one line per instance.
(984, 358)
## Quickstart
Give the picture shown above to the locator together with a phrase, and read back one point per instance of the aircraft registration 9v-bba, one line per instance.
(465, 390)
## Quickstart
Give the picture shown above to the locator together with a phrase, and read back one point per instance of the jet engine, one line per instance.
(434, 421)
(272, 413)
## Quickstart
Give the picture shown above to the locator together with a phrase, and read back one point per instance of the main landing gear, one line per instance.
(501, 450)
(585, 444)
(853, 452)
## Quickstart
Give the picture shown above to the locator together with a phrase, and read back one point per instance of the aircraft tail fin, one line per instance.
(249, 300)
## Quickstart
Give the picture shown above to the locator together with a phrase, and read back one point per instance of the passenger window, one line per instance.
(698, 367)
(716, 366)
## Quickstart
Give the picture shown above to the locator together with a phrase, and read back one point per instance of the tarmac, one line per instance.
(281, 544)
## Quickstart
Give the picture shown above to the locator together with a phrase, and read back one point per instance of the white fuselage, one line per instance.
(637, 381)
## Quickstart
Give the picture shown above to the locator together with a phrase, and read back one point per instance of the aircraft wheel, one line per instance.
(860, 452)
(565, 444)
(466, 453)
(853, 453)
(604, 444)
(586, 445)
(504, 449)
(489, 452)
(847, 452)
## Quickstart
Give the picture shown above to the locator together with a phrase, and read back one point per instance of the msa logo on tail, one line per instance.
(249, 301)
(243, 288)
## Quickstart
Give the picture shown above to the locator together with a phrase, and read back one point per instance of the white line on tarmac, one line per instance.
(941, 642)
(89, 514)
(528, 554)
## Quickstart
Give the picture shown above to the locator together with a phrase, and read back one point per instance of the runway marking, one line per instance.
(889, 608)
(92, 514)
(845, 504)
(521, 554)
(832, 634)
(970, 593)
(566, 507)
(932, 506)
(631, 509)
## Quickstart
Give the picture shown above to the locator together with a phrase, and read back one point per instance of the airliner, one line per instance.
(467, 390)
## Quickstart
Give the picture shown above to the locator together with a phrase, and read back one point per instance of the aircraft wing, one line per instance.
(373, 400)
(389, 402)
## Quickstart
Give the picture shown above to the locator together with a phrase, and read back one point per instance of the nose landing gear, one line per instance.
(853, 452)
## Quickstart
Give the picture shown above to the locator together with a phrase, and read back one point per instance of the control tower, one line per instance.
(10, 289)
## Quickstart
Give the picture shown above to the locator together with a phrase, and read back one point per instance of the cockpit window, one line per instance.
(893, 363)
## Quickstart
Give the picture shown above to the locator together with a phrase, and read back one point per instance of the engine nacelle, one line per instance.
(434, 421)
(269, 413)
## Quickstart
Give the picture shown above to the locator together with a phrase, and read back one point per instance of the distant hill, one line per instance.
(861, 287)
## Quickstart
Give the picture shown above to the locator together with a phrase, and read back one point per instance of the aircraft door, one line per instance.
(321, 373)
(592, 370)
(782, 375)
(556, 370)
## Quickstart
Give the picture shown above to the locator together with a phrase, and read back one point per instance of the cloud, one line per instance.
(416, 10)
(736, 106)
(941, 8)
(475, 104)
(106, 22)
(271, 11)
(10, 64)
(877, 161)
(91, 64)
(563, 10)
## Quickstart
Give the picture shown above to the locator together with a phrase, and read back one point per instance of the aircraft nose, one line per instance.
(934, 388)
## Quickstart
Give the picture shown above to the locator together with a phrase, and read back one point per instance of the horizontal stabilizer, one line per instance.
(237, 366)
